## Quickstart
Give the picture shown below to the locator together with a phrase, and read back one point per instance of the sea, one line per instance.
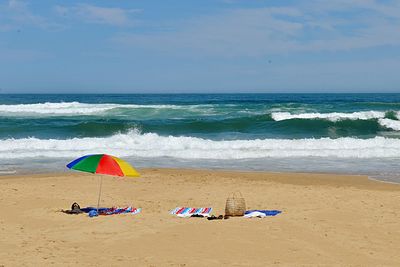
(323, 133)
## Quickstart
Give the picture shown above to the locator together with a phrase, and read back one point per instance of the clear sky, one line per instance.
(169, 46)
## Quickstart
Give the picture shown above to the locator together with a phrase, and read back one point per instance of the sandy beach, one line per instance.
(326, 220)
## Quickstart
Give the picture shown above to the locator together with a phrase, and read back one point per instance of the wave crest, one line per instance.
(383, 118)
(71, 108)
(152, 145)
(335, 116)
(390, 124)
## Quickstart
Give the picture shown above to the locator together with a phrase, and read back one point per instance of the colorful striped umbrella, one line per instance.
(103, 164)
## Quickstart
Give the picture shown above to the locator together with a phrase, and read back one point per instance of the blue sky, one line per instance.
(145, 46)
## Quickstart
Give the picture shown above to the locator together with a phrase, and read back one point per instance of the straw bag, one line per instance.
(235, 205)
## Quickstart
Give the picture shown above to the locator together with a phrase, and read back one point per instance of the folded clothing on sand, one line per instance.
(261, 213)
(187, 212)
(113, 210)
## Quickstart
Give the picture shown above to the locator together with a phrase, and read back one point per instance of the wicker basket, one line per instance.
(235, 205)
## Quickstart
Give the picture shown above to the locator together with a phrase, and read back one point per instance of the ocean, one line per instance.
(341, 133)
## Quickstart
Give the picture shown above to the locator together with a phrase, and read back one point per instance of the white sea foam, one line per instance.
(72, 108)
(391, 124)
(335, 116)
(152, 145)
(3, 172)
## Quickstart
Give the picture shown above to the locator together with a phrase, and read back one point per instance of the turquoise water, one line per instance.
(327, 132)
(237, 116)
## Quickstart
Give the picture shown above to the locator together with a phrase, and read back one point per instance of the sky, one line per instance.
(220, 46)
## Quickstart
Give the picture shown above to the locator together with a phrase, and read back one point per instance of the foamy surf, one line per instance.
(390, 124)
(380, 116)
(73, 108)
(7, 171)
(185, 147)
(335, 116)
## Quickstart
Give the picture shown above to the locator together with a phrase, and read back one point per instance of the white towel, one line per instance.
(255, 214)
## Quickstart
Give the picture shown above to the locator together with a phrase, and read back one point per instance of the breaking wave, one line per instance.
(72, 108)
(335, 116)
(135, 144)
(390, 124)
(385, 119)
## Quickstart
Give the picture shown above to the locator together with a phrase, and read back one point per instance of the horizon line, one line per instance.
(194, 93)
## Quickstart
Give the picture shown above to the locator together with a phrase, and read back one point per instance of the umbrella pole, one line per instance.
(98, 199)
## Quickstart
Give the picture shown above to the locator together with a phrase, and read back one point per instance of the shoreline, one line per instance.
(326, 219)
(325, 177)
(378, 170)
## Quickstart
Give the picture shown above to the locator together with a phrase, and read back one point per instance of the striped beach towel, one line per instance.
(187, 212)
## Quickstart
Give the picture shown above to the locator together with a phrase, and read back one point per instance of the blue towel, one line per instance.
(110, 211)
(266, 212)
(89, 209)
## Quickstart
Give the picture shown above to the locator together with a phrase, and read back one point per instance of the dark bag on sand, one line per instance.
(75, 209)
(235, 205)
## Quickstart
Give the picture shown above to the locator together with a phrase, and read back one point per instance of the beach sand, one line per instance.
(326, 220)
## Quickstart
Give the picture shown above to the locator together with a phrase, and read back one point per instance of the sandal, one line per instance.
(213, 217)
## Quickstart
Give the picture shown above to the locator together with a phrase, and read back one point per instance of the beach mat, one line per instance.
(113, 210)
(187, 212)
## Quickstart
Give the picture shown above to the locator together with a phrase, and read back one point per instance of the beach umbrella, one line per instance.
(103, 164)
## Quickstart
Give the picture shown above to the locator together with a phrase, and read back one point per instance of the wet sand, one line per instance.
(326, 220)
